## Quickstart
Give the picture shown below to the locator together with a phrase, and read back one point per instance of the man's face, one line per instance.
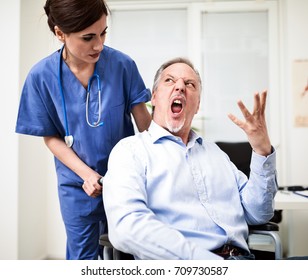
(176, 98)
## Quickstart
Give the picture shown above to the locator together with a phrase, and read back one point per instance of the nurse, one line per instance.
(80, 100)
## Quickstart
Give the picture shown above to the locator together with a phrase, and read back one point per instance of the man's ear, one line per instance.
(59, 33)
(153, 98)
(198, 107)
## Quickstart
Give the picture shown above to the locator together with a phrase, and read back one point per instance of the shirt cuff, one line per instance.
(263, 165)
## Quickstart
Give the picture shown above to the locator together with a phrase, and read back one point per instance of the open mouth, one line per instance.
(176, 106)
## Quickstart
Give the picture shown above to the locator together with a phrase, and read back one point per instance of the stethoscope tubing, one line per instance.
(62, 94)
(69, 139)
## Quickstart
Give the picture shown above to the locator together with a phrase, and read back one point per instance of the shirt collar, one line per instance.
(157, 132)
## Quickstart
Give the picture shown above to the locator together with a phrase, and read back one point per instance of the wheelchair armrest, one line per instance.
(111, 253)
(104, 241)
(264, 227)
(270, 229)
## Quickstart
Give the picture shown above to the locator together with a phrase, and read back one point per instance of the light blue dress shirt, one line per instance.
(166, 200)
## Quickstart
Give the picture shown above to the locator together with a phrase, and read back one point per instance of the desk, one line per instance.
(293, 227)
(286, 200)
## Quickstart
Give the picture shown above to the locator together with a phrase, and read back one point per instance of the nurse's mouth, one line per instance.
(95, 55)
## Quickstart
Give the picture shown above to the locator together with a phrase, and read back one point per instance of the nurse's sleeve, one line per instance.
(138, 93)
(34, 116)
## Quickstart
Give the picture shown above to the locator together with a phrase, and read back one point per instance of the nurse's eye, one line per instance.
(88, 38)
(104, 32)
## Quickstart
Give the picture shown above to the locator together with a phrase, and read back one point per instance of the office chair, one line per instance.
(109, 252)
(240, 154)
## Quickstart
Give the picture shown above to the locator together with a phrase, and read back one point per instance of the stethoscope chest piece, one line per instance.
(69, 140)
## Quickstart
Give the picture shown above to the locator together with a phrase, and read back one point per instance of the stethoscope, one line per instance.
(68, 138)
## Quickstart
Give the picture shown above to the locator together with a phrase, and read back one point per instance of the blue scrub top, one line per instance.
(41, 114)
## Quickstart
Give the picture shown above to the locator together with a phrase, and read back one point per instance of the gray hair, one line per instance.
(171, 62)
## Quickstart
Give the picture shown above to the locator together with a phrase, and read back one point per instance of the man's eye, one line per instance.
(169, 80)
(190, 85)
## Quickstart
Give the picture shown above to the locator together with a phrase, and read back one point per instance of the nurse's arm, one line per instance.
(68, 157)
(141, 116)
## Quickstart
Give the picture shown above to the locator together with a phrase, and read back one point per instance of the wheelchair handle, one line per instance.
(100, 181)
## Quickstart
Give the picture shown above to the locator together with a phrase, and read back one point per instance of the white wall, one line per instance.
(295, 38)
(31, 225)
(32, 155)
(41, 232)
(294, 45)
(9, 77)
(31, 228)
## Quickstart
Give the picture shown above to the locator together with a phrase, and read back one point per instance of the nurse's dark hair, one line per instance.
(74, 15)
(169, 63)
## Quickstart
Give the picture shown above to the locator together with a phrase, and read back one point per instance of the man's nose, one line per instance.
(180, 85)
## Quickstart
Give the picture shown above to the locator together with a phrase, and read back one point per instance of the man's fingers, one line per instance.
(257, 104)
(235, 120)
(263, 101)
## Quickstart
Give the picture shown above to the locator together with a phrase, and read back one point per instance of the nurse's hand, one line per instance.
(92, 187)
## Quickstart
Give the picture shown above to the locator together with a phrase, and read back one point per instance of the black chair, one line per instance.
(109, 252)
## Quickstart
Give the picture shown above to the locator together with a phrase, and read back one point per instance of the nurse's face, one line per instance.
(84, 46)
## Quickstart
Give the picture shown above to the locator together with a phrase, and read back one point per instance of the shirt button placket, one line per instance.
(199, 182)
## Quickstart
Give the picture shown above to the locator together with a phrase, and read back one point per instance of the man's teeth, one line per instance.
(177, 101)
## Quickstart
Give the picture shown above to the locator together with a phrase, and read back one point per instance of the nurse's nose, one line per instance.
(98, 46)
(180, 85)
